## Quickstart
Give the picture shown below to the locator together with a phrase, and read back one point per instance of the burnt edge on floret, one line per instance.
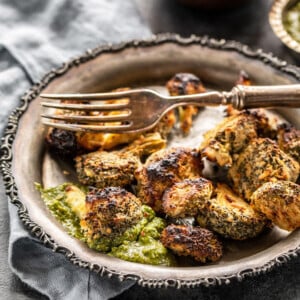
(62, 142)
(183, 80)
(200, 243)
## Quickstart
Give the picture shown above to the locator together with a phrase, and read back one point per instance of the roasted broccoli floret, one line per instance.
(230, 216)
(260, 162)
(229, 138)
(62, 142)
(199, 243)
(164, 168)
(116, 168)
(110, 212)
(187, 197)
(289, 141)
(103, 168)
(280, 202)
(185, 84)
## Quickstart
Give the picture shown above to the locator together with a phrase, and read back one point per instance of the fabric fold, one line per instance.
(36, 36)
(43, 34)
(52, 274)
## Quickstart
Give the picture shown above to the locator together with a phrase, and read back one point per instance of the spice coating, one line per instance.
(111, 211)
(186, 198)
(230, 216)
(289, 141)
(279, 202)
(260, 162)
(197, 242)
(164, 168)
(104, 169)
(116, 168)
(229, 138)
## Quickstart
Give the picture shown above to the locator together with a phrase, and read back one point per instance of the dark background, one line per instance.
(247, 24)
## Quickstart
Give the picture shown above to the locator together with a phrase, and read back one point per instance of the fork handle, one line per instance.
(242, 96)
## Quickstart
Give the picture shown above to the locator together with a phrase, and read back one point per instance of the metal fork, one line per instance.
(144, 108)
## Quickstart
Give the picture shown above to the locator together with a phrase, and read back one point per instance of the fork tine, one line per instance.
(92, 96)
(84, 107)
(92, 119)
(88, 127)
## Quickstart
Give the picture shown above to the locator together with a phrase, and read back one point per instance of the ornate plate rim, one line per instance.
(12, 127)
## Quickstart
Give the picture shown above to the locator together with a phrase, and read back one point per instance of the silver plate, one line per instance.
(24, 160)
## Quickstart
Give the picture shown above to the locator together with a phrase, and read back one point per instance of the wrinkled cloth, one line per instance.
(36, 36)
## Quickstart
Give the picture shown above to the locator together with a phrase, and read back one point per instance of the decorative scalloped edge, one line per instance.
(33, 92)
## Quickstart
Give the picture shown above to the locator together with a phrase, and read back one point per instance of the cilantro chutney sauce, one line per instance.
(55, 200)
(291, 21)
(138, 244)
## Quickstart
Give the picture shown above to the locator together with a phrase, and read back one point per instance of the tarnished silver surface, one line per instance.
(140, 63)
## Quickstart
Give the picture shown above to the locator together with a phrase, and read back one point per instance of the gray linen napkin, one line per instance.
(36, 36)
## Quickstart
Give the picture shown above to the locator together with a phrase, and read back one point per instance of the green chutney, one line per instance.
(140, 243)
(291, 21)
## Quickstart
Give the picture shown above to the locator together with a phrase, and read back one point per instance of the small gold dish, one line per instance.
(277, 19)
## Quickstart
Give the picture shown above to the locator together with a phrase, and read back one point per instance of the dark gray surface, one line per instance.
(248, 25)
